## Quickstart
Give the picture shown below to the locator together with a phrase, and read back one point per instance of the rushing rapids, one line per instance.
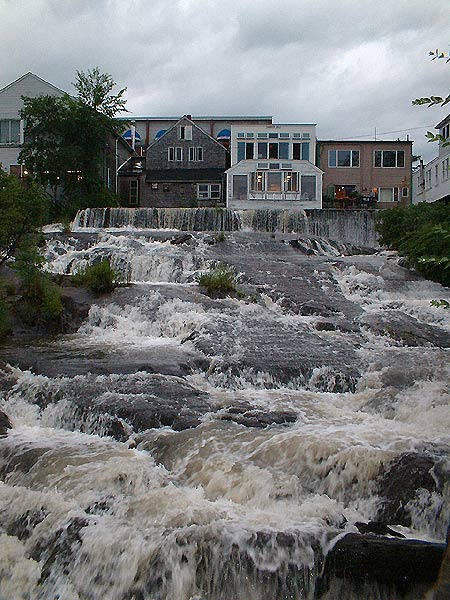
(182, 447)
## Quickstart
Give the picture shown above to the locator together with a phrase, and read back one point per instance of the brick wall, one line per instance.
(366, 176)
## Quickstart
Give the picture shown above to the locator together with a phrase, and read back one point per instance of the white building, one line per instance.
(431, 182)
(272, 166)
(11, 126)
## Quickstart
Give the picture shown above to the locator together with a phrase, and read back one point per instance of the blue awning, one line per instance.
(225, 134)
(128, 136)
(160, 133)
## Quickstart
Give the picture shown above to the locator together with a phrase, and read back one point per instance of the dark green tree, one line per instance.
(23, 209)
(67, 140)
(95, 90)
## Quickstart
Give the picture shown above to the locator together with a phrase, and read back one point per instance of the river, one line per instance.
(182, 447)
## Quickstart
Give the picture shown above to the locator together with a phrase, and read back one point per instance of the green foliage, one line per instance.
(94, 89)
(440, 303)
(435, 101)
(68, 140)
(23, 209)
(100, 278)
(220, 236)
(219, 281)
(421, 233)
(42, 297)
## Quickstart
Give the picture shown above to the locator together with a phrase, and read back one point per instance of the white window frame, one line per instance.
(213, 191)
(396, 191)
(351, 165)
(405, 192)
(185, 132)
(9, 141)
(196, 154)
(396, 166)
(445, 169)
(176, 152)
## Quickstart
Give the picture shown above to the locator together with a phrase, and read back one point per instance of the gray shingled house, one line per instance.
(184, 167)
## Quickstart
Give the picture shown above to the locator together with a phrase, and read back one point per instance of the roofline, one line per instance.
(200, 118)
(194, 124)
(443, 122)
(37, 77)
(365, 141)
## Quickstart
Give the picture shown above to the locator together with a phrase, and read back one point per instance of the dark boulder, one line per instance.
(5, 423)
(401, 481)
(401, 565)
(251, 417)
(183, 238)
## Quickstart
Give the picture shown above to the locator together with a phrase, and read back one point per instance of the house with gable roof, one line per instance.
(11, 125)
(184, 167)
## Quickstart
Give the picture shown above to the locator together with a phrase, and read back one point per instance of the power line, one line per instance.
(386, 132)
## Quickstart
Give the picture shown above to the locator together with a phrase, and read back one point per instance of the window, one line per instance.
(241, 134)
(166, 187)
(296, 151)
(134, 193)
(306, 136)
(405, 192)
(273, 135)
(389, 158)
(249, 150)
(262, 150)
(240, 151)
(428, 179)
(308, 183)
(273, 149)
(154, 186)
(284, 136)
(185, 132)
(436, 175)
(445, 131)
(196, 153)
(10, 131)
(343, 158)
(257, 181)
(388, 194)
(273, 181)
(250, 135)
(290, 182)
(208, 191)
(305, 150)
(261, 135)
(296, 135)
(175, 153)
(283, 150)
(445, 169)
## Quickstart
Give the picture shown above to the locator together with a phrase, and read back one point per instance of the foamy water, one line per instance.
(220, 510)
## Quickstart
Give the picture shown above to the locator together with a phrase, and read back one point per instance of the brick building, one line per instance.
(379, 171)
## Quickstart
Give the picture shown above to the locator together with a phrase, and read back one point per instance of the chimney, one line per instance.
(189, 117)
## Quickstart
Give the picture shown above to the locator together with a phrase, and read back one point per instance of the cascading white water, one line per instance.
(222, 509)
(350, 226)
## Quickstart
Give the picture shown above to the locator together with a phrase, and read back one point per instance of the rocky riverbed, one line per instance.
(178, 446)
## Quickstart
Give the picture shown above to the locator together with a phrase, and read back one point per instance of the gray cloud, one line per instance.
(349, 66)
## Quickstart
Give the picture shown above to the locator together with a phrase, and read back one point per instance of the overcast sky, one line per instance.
(348, 65)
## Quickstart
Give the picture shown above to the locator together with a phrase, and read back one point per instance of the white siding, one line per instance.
(11, 103)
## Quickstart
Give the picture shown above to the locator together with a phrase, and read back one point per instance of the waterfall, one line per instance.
(349, 226)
